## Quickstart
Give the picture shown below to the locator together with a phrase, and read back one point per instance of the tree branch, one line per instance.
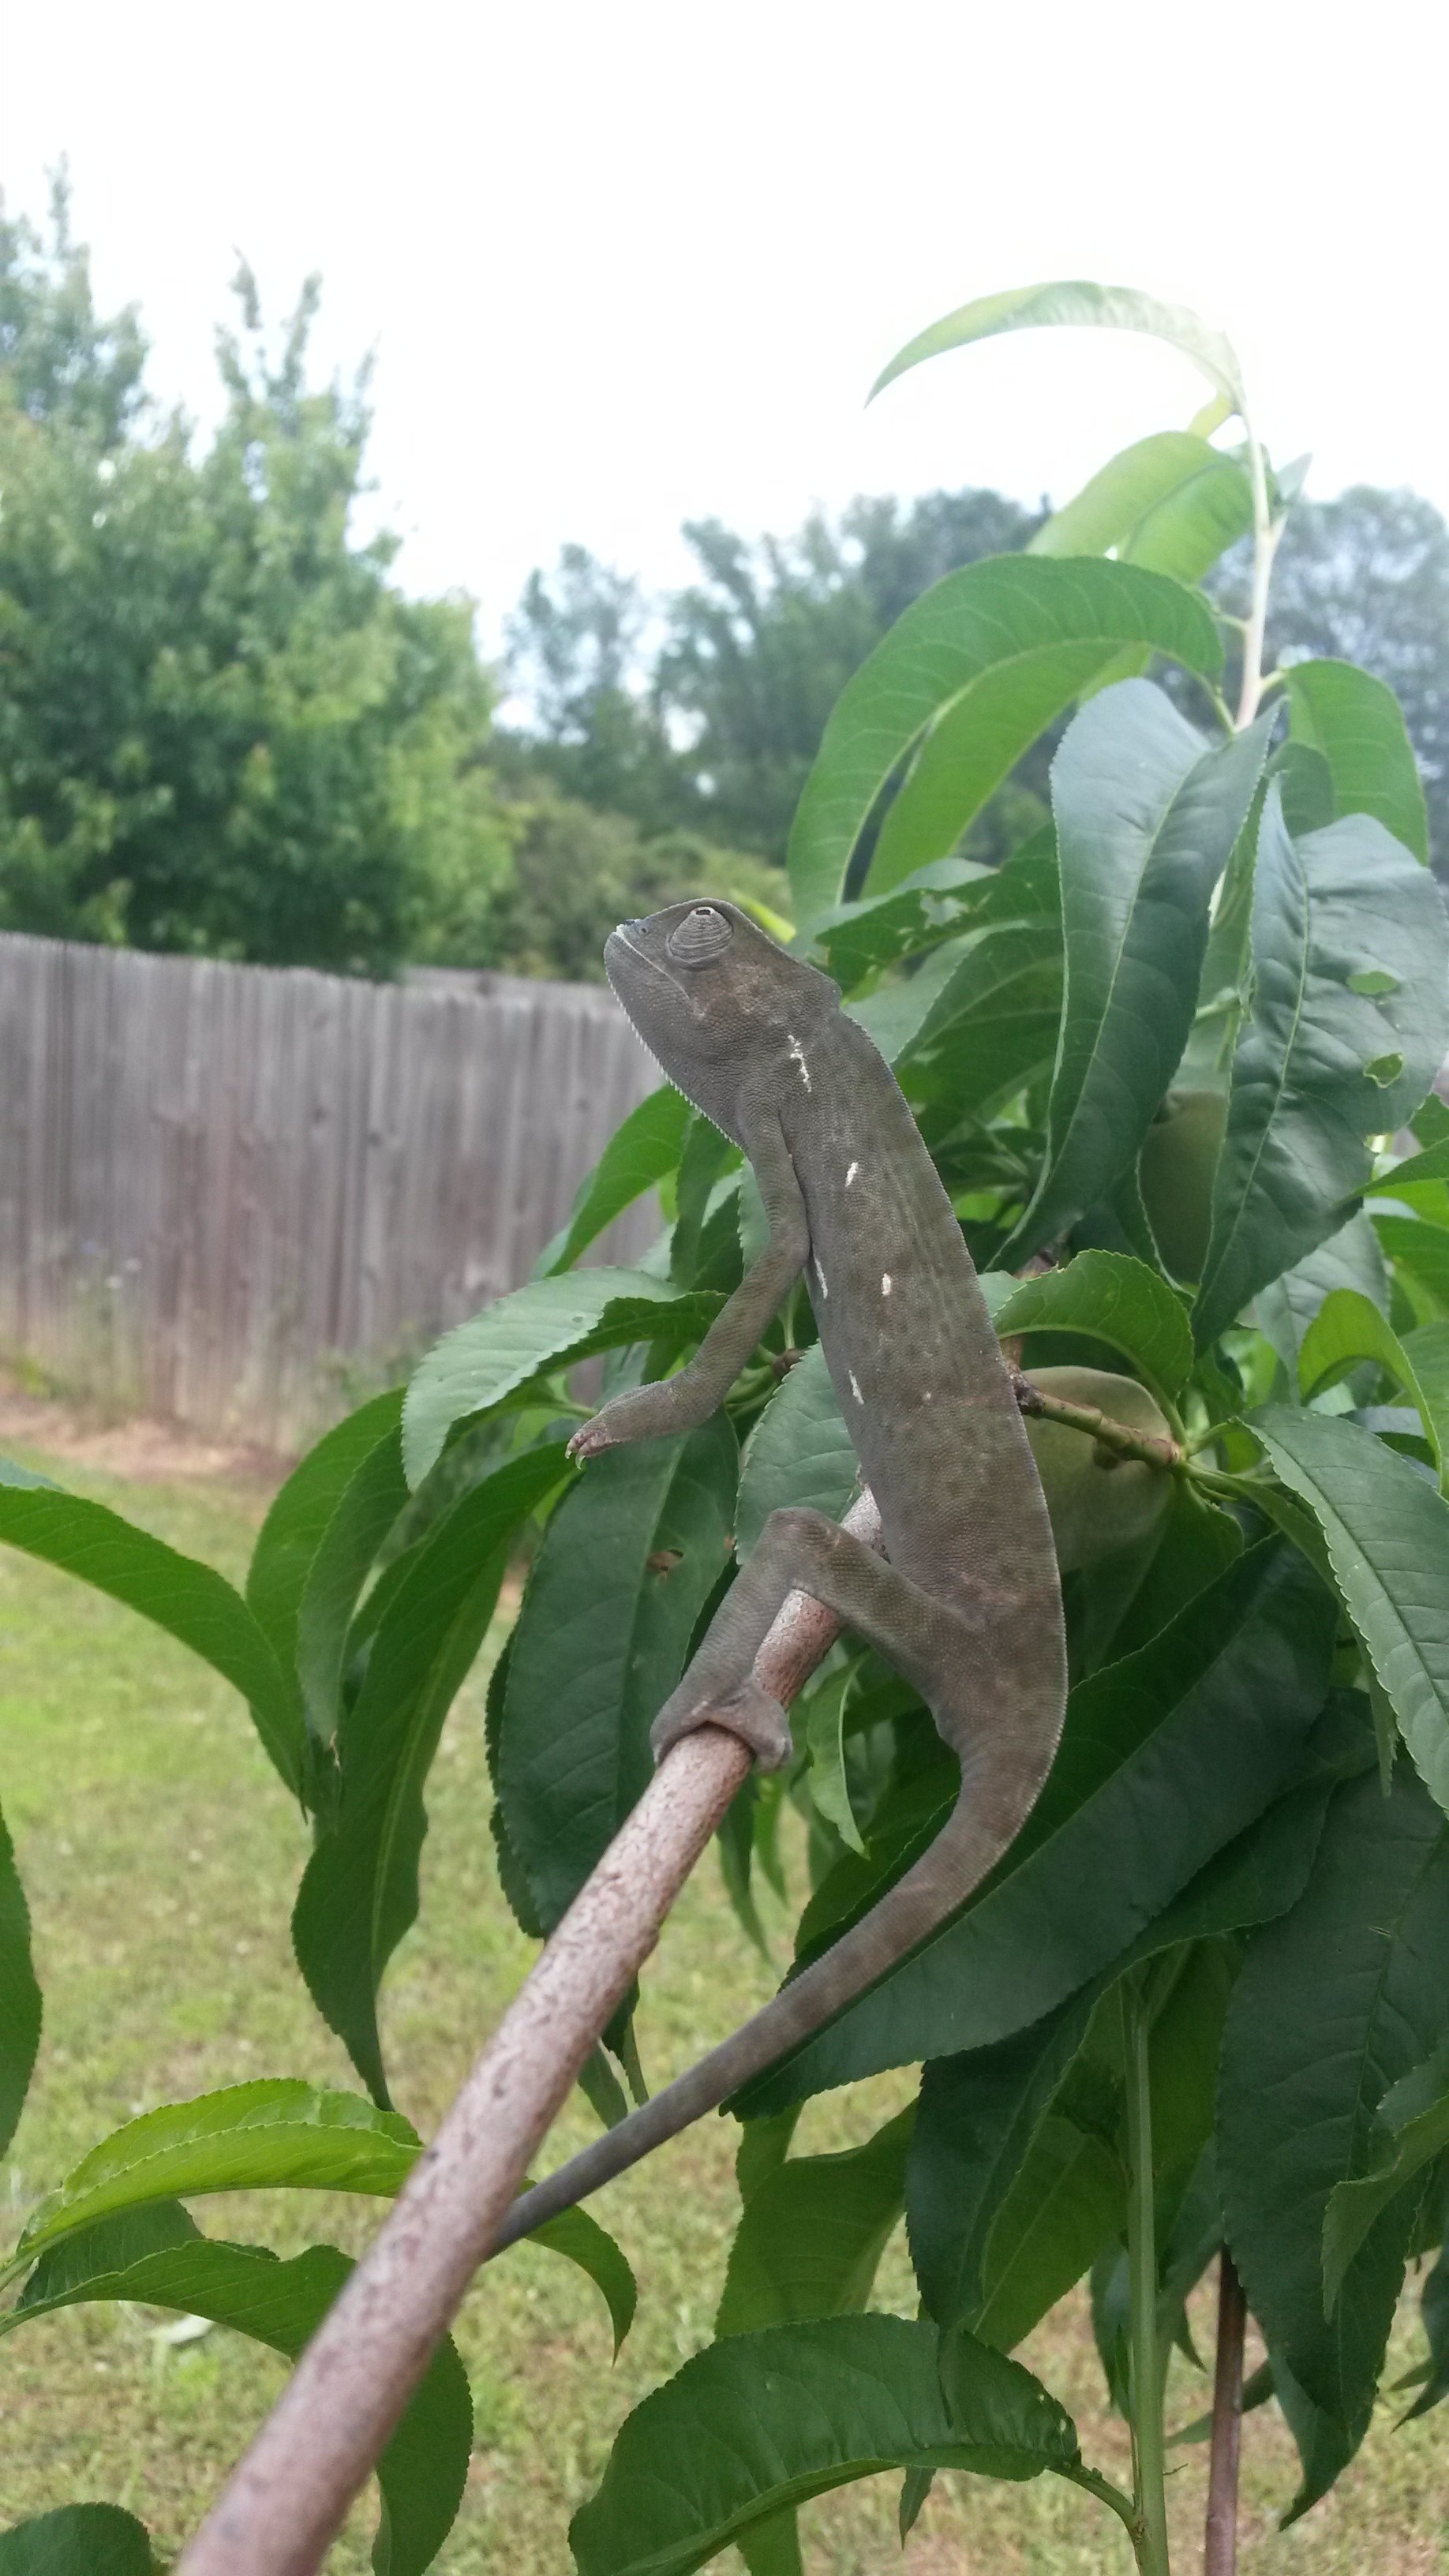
(1220, 2543)
(289, 2494)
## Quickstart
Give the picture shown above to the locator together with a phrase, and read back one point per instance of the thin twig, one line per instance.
(1153, 1448)
(1148, 2461)
(287, 2498)
(1220, 2543)
(1094, 2484)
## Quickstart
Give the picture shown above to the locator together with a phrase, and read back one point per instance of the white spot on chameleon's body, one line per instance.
(855, 1386)
(850, 1175)
(885, 1283)
(820, 1275)
(797, 1056)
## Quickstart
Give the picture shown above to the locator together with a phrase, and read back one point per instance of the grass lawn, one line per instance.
(160, 1854)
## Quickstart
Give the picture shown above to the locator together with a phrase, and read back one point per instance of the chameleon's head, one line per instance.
(712, 996)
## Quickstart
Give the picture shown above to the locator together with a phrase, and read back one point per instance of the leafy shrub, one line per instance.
(1174, 1061)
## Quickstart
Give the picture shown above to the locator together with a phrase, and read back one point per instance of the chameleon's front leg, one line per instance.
(682, 1402)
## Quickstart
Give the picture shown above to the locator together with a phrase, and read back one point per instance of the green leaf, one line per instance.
(1303, 1098)
(1325, 2446)
(979, 2115)
(799, 1452)
(1265, 1869)
(995, 719)
(1076, 302)
(1309, 804)
(772, 2548)
(364, 1514)
(1431, 1120)
(813, 2234)
(1410, 2129)
(706, 1153)
(941, 901)
(547, 1325)
(1067, 2202)
(598, 2083)
(628, 1561)
(1421, 1249)
(1147, 815)
(1431, 1165)
(248, 2137)
(1427, 1353)
(1335, 2002)
(735, 1843)
(1387, 1535)
(19, 1995)
(162, 2260)
(824, 1714)
(1170, 502)
(764, 2421)
(1352, 1258)
(937, 903)
(1164, 1759)
(1349, 1329)
(763, 2147)
(976, 1021)
(1113, 1299)
(191, 1601)
(1357, 725)
(988, 657)
(276, 2134)
(581, 2240)
(1196, 1541)
(300, 1514)
(973, 2160)
(636, 1158)
(1434, 2318)
(359, 1892)
(77, 2540)
(1008, 704)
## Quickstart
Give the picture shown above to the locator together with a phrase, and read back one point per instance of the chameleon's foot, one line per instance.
(590, 1438)
(748, 1712)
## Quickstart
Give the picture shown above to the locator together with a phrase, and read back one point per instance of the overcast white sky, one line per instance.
(626, 265)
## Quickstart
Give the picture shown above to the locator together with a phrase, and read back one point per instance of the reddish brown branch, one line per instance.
(1220, 2545)
(288, 2496)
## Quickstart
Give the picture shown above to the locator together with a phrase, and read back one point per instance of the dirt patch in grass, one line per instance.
(135, 1449)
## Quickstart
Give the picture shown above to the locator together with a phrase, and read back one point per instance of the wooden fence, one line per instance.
(239, 1196)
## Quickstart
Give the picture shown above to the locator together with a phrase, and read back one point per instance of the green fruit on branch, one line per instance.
(1179, 1158)
(1097, 1500)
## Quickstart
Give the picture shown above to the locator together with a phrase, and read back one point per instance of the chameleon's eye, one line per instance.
(701, 936)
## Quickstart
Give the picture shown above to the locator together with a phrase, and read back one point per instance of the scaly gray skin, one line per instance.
(968, 1607)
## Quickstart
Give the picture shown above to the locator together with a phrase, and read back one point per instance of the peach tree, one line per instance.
(1174, 1059)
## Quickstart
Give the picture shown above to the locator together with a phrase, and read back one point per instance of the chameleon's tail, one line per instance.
(977, 1833)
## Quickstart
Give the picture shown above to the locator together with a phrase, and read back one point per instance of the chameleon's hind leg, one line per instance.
(803, 1551)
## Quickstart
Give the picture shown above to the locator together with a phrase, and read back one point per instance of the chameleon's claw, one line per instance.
(590, 1438)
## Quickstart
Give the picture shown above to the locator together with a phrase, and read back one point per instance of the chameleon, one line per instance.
(965, 1603)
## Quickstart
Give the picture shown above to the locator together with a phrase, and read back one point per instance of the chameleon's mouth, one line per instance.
(619, 939)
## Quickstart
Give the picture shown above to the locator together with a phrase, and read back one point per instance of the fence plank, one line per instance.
(228, 1192)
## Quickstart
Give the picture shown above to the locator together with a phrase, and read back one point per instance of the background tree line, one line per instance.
(225, 729)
